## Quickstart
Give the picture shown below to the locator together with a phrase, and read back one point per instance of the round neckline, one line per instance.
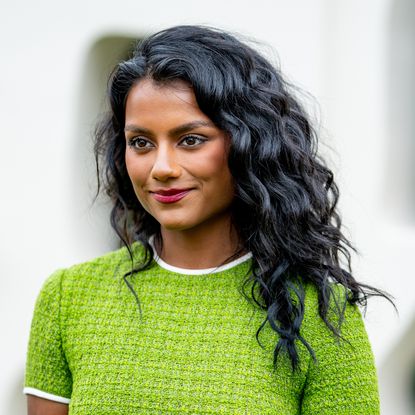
(192, 271)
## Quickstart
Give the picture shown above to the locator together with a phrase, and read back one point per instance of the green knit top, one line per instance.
(192, 351)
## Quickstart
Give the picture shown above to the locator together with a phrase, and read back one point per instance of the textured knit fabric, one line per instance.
(193, 351)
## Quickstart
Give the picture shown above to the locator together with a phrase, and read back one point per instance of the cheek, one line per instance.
(135, 170)
(213, 164)
(129, 164)
(217, 176)
(137, 174)
(221, 169)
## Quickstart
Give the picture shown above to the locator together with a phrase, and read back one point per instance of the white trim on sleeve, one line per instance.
(45, 395)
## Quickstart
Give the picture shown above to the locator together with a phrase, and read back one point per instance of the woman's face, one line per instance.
(176, 157)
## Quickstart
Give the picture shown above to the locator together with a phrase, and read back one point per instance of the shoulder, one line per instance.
(122, 257)
(342, 379)
(119, 261)
(352, 344)
(87, 275)
(341, 313)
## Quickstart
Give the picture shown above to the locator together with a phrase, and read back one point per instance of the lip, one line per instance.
(169, 195)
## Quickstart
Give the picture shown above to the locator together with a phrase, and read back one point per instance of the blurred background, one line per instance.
(357, 58)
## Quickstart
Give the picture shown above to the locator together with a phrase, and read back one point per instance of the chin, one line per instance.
(175, 225)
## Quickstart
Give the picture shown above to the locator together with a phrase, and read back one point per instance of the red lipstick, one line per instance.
(169, 195)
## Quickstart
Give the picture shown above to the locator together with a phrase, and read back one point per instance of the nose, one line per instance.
(165, 165)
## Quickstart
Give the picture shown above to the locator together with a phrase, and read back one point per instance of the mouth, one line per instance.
(169, 195)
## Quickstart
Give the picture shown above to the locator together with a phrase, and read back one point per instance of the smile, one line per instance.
(169, 195)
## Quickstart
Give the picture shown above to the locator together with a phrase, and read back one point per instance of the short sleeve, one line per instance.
(47, 373)
(343, 380)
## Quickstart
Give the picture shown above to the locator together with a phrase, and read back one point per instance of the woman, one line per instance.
(229, 296)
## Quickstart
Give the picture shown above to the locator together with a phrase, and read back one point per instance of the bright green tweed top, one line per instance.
(193, 351)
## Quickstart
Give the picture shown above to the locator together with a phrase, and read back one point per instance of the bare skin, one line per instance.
(207, 250)
(40, 406)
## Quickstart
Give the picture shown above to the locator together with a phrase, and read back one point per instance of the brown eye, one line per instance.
(192, 141)
(139, 143)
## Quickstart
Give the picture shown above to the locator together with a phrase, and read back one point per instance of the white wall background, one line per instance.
(356, 57)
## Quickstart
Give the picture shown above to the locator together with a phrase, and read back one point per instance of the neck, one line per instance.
(199, 248)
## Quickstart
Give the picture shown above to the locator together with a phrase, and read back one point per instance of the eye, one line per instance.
(140, 143)
(192, 141)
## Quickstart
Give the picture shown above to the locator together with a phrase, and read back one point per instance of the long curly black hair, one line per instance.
(285, 196)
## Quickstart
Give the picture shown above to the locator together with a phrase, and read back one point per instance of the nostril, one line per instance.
(163, 170)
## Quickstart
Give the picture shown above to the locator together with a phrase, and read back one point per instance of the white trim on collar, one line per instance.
(187, 271)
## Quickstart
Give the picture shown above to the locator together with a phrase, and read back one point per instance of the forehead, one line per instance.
(147, 92)
(161, 107)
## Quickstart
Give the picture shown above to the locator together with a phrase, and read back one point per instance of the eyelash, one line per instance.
(200, 140)
(133, 141)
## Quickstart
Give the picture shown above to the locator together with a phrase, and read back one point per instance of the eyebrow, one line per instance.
(175, 131)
